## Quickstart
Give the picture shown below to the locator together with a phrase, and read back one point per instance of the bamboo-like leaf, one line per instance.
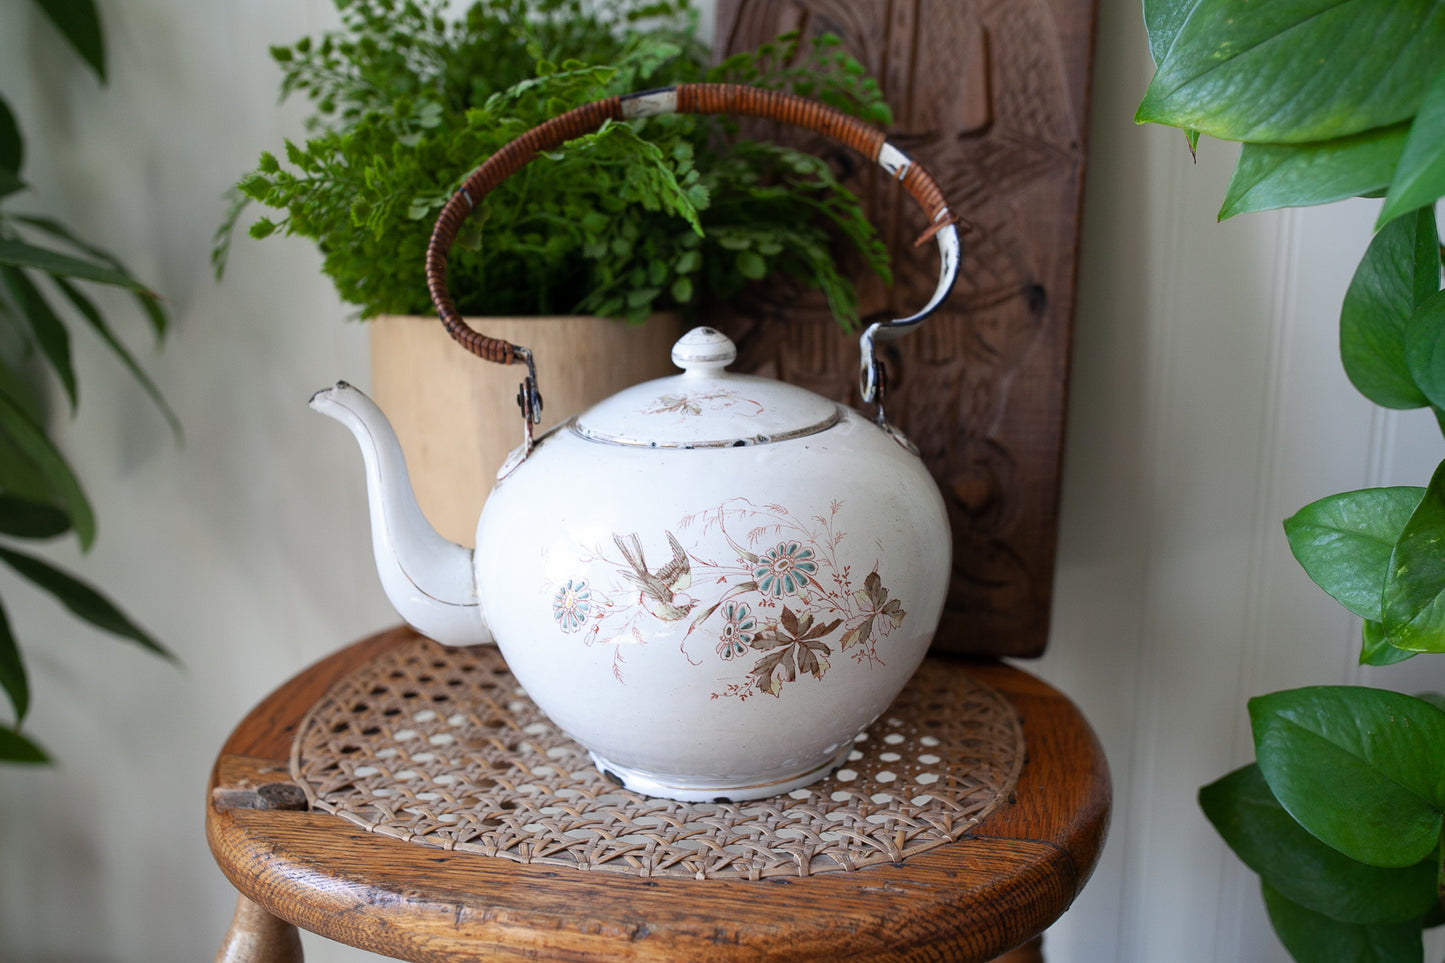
(1257, 828)
(23, 518)
(17, 427)
(92, 315)
(1420, 177)
(1271, 176)
(1414, 592)
(1400, 270)
(17, 748)
(23, 254)
(1272, 72)
(12, 144)
(1344, 541)
(79, 23)
(149, 301)
(12, 670)
(45, 325)
(1315, 938)
(1357, 767)
(81, 599)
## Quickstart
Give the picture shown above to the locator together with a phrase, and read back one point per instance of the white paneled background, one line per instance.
(1207, 404)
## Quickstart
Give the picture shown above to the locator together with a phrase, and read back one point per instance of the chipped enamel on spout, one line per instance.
(428, 579)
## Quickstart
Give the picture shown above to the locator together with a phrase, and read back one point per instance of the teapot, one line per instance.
(713, 582)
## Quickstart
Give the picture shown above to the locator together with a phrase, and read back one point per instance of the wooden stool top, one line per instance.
(1007, 878)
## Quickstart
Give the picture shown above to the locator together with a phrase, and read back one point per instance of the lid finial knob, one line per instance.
(704, 350)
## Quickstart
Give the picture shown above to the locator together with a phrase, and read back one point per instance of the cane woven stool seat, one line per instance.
(409, 799)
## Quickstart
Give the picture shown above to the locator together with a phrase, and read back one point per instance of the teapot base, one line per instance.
(717, 790)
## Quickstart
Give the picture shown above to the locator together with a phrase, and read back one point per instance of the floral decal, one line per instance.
(780, 602)
(785, 570)
(572, 605)
(737, 631)
(712, 401)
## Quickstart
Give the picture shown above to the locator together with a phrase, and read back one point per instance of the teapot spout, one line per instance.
(429, 579)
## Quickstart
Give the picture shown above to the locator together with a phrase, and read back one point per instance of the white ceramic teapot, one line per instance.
(711, 581)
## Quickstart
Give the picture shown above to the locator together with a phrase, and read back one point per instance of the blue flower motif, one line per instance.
(785, 570)
(737, 631)
(572, 605)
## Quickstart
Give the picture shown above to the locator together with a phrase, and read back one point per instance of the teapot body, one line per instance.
(715, 622)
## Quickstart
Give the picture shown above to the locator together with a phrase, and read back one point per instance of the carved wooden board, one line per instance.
(991, 97)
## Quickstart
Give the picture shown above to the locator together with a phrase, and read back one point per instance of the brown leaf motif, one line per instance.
(794, 644)
(874, 601)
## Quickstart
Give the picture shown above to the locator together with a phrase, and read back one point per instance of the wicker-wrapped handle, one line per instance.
(688, 99)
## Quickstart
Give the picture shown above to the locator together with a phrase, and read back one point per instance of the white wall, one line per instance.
(1207, 405)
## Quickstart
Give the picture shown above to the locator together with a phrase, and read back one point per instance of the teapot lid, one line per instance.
(707, 406)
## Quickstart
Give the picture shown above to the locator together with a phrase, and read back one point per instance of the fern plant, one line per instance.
(637, 217)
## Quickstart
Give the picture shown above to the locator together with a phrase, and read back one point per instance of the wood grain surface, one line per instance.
(967, 901)
(991, 96)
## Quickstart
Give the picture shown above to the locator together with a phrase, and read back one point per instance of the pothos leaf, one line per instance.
(1357, 767)
(1257, 828)
(1270, 176)
(1270, 72)
(1425, 348)
(1319, 939)
(1400, 270)
(1420, 177)
(1344, 542)
(1375, 648)
(1414, 591)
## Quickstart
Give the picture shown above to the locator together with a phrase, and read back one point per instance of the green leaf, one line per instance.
(1343, 542)
(93, 317)
(751, 265)
(22, 254)
(1425, 348)
(1414, 593)
(16, 748)
(1162, 19)
(81, 599)
(1290, 71)
(1375, 648)
(149, 301)
(1313, 937)
(79, 23)
(1270, 176)
(45, 324)
(1420, 177)
(12, 144)
(1306, 871)
(12, 670)
(9, 183)
(17, 427)
(1359, 768)
(27, 519)
(1400, 270)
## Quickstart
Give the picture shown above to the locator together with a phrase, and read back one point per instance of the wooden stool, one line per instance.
(995, 889)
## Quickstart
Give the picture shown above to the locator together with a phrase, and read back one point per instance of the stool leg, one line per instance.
(256, 936)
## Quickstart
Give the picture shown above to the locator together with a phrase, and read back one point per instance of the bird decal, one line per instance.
(660, 589)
